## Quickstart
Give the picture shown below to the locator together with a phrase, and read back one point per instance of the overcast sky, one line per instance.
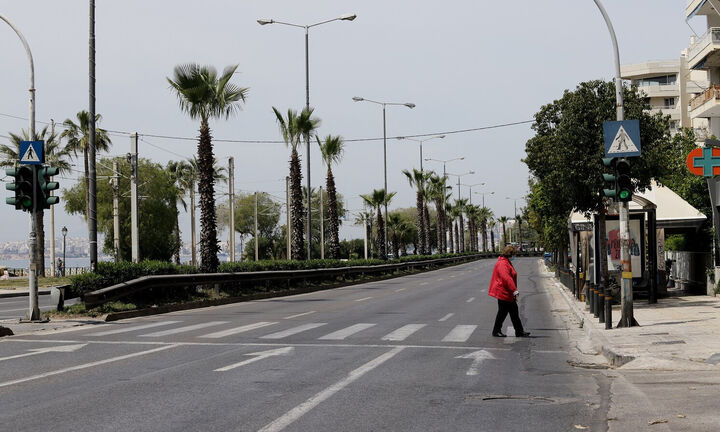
(465, 64)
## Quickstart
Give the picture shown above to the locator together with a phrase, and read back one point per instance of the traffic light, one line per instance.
(23, 187)
(624, 180)
(45, 175)
(610, 189)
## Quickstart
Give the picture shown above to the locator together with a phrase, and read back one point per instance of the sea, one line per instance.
(23, 264)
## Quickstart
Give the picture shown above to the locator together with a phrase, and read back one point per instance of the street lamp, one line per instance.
(483, 196)
(64, 233)
(470, 187)
(345, 17)
(384, 104)
(421, 141)
(459, 176)
(515, 200)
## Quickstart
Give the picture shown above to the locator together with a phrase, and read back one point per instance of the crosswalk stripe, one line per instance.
(184, 329)
(446, 317)
(403, 332)
(125, 329)
(348, 331)
(237, 330)
(292, 331)
(460, 333)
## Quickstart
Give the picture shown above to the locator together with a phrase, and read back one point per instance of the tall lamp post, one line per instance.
(421, 141)
(64, 233)
(483, 196)
(444, 162)
(470, 187)
(346, 17)
(515, 200)
(384, 104)
(459, 176)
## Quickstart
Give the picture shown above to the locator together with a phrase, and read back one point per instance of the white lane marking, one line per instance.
(86, 365)
(446, 317)
(237, 330)
(348, 331)
(36, 351)
(403, 332)
(13, 310)
(297, 412)
(184, 329)
(257, 356)
(292, 331)
(477, 358)
(363, 299)
(441, 279)
(74, 328)
(424, 283)
(470, 300)
(452, 276)
(299, 315)
(460, 333)
(400, 289)
(125, 329)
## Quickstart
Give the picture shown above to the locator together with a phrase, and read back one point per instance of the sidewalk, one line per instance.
(677, 333)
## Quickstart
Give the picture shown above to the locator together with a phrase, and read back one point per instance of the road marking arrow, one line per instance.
(36, 351)
(258, 356)
(477, 358)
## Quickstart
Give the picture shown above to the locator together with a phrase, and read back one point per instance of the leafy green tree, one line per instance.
(203, 95)
(268, 219)
(55, 155)
(332, 150)
(156, 208)
(565, 155)
(315, 228)
(293, 128)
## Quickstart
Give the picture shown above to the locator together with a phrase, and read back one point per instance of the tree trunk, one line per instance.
(439, 226)
(420, 222)
(396, 245)
(334, 228)
(296, 207)
(504, 235)
(208, 222)
(451, 243)
(176, 234)
(492, 240)
(426, 216)
(461, 234)
(380, 238)
(457, 239)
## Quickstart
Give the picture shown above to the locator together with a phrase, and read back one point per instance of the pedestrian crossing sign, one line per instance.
(31, 152)
(622, 138)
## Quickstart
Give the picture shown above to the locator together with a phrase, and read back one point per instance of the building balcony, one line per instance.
(706, 104)
(660, 90)
(705, 52)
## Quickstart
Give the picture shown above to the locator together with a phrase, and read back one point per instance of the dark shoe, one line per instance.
(499, 334)
(523, 334)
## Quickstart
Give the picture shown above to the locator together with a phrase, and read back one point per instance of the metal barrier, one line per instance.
(240, 282)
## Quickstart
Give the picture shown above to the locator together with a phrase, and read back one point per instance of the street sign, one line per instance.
(31, 152)
(622, 138)
(704, 161)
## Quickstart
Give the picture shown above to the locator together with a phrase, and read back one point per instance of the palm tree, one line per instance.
(203, 94)
(460, 204)
(55, 156)
(484, 214)
(503, 220)
(417, 179)
(395, 226)
(377, 199)
(491, 225)
(183, 176)
(293, 129)
(332, 151)
(436, 191)
(455, 212)
(364, 218)
(448, 211)
(78, 140)
(472, 212)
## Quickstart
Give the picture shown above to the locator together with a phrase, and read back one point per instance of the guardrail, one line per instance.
(244, 282)
(69, 271)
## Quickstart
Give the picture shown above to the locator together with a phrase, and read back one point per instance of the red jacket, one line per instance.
(503, 284)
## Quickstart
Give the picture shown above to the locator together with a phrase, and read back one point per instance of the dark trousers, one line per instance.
(505, 308)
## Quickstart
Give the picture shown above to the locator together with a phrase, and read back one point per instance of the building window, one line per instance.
(669, 103)
(657, 80)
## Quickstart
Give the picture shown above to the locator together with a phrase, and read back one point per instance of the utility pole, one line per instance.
(53, 269)
(288, 228)
(92, 189)
(116, 212)
(365, 236)
(133, 157)
(256, 227)
(231, 174)
(322, 227)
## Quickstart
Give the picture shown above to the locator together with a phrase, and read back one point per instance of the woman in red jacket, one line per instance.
(503, 286)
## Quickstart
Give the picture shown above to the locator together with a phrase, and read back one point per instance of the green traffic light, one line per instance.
(624, 194)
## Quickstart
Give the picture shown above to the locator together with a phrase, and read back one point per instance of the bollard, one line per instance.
(596, 312)
(592, 298)
(608, 308)
(601, 304)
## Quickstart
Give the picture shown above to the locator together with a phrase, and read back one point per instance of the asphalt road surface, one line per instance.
(406, 354)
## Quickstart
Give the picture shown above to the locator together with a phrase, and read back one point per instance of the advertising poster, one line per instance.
(612, 228)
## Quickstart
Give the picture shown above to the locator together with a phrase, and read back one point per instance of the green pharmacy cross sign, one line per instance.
(704, 161)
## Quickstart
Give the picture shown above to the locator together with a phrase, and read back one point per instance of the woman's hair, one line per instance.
(509, 251)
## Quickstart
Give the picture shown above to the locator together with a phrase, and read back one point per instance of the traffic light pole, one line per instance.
(626, 319)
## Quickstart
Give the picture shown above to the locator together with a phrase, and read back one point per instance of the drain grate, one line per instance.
(528, 398)
(654, 334)
(674, 342)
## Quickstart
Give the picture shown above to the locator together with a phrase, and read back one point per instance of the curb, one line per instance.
(23, 294)
(600, 342)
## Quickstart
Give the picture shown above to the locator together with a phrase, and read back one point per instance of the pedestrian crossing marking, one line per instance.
(348, 331)
(236, 330)
(292, 331)
(126, 329)
(460, 333)
(403, 332)
(184, 329)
